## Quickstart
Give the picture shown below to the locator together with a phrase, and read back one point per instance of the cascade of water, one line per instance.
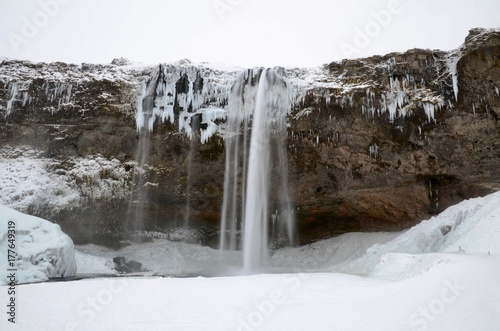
(151, 90)
(263, 96)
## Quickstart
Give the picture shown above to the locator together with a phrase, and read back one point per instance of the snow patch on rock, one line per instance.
(28, 185)
(34, 184)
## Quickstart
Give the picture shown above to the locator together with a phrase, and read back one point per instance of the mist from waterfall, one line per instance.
(256, 205)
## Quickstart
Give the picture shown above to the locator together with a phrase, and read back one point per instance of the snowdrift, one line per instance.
(43, 251)
(471, 227)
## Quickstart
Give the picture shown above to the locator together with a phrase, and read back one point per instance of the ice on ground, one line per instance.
(42, 250)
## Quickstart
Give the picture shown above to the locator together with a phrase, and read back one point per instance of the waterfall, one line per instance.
(256, 175)
(151, 90)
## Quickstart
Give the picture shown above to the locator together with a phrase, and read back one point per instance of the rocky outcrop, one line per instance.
(373, 144)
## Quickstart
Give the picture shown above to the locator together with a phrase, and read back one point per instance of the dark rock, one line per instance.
(127, 266)
(134, 266)
(119, 260)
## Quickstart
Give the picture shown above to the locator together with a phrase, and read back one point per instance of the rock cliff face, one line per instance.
(373, 144)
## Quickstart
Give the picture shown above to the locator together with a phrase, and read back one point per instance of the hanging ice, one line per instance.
(14, 89)
(429, 111)
(452, 62)
(373, 149)
(178, 93)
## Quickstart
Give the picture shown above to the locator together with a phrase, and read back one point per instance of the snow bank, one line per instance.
(471, 227)
(43, 250)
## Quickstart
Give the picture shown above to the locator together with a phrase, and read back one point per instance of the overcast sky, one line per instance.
(246, 33)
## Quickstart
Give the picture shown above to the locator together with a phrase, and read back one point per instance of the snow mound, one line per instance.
(472, 227)
(42, 250)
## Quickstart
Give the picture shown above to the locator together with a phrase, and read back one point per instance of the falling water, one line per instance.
(151, 90)
(256, 167)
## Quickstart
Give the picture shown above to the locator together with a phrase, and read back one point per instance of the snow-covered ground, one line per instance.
(440, 275)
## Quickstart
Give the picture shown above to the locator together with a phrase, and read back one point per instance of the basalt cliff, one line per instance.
(373, 144)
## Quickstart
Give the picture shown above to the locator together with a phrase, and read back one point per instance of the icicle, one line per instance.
(25, 98)
(14, 89)
(452, 62)
(373, 151)
(429, 109)
(184, 88)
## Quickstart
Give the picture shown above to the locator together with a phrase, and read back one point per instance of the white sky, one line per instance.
(240, 32)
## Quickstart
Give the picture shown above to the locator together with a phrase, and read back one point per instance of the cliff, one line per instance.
(373, 144)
